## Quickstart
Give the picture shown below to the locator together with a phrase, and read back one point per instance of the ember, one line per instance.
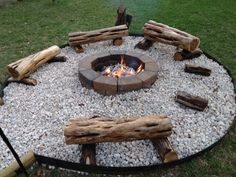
(121, 69)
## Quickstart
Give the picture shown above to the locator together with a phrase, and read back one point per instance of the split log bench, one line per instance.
(20, 70)
(158, 32)
(87, 132)
(76, 39)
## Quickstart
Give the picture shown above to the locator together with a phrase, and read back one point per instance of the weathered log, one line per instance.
(1, 101)
(88, 156)
(79, 38)
(144, 44)
(165, 150)
(26, 81)
(197, 70)
(159, 32)
(191, 101)
(101, 129)
(58, 58)
(24, 67)
(185, 55)
(79, 49)
(121, 16)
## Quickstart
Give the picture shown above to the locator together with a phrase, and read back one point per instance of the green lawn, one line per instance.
(30, 26)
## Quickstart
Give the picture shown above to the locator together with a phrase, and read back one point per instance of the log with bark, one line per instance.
(165, 150)
(26, 81)
(80, 38)
(197, 70)
(159, 32)
(97, 130)
(144, 44)
(191, 101)
(185, 55)
(88, 156)
(24, 67)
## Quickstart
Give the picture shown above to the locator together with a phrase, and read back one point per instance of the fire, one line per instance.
(121, 69)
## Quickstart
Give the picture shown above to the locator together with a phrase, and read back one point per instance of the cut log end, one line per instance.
(117, 42)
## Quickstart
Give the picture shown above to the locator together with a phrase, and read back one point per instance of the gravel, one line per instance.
(33, 117)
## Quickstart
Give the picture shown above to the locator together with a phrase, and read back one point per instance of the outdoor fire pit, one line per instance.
(117, 71)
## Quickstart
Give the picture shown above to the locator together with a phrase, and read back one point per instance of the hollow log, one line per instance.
(26, 81)
(165, 150)
(144, 44)
(185, 55)
(159, 32)
(24, 67)
(79, 38)
(88, 156)
(197, 70)
(191, 101)
(102, 129)
(1, 101)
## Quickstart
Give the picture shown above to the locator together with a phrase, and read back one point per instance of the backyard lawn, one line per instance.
(29, 26)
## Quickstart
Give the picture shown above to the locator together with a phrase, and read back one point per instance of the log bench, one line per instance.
(88, 132)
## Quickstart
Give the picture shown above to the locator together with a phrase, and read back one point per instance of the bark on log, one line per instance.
(24, 67)
(88, 156)
(26, 81)
(79, 38)
(144, 44)
(191, 101)
(1, 101)
(184, 55)
(197, 70)
(100, 129)
(165, 150)
(162, 33)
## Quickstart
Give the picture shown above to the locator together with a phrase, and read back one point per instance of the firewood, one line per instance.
(191, 101)
(97, 130)
(79, 38)
(197, 70)
(1, 101)
(144, 44)
(184, 55)
(117, 42)
(58, 58)
(88, 156)
(165, 150)
(79, 49)
(24, 67)
(26, 81)
(159, 32)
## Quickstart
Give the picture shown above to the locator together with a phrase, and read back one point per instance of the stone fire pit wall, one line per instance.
(91, 78)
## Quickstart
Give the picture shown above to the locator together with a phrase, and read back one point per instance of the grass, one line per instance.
(30, 26)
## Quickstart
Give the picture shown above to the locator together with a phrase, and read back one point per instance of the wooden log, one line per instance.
(191, 101)
(26, 81)
(159, 32)
(88, 156)
(24, 67)
(1, 101)
(101, 129)
(144, 44)
(79, 38)
(197, 70)
(58, 58)
(184, 54)
(121, 16)
(165, 150)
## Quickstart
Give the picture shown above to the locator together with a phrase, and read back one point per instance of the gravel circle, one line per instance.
(34, 117)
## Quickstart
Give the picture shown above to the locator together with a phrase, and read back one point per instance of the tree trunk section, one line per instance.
(191, 101)
(88, 156)
(159, 32)
(165, 150)
(79, 38)
(197, 70)
(24, 67)
(26, 81)
(98, 130)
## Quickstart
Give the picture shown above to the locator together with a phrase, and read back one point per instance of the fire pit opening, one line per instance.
(114, 72)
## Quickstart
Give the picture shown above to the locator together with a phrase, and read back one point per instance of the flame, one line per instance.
(121, 69)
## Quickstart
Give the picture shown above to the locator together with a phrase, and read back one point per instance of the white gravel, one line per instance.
(33, 117)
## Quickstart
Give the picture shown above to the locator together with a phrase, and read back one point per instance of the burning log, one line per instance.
(88, 156)
(191, 101)
(26, 81)
(24, 67)
(102, 129)
(162, 33)
(184, 55)
(197, 70)
(145, 44)
(80, 38)
(165, 150)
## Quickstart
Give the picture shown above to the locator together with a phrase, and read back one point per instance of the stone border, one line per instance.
(91, 79)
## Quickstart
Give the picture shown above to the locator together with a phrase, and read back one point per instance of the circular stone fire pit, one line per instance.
(91, 66)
